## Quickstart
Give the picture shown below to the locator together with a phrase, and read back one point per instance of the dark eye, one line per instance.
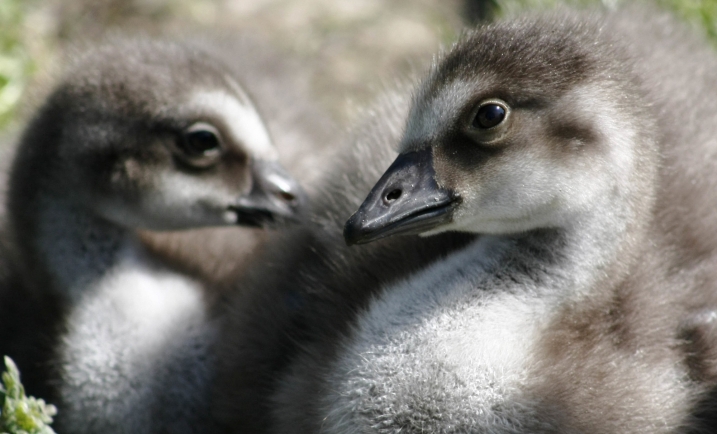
(199, 143)
(200, 140)
(488, 116)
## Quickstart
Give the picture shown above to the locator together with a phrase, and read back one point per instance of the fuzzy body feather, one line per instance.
(124, 326)
(277, 310)
(590, 312)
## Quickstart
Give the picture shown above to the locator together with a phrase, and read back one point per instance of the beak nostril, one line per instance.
(393, 195)
(286, 196)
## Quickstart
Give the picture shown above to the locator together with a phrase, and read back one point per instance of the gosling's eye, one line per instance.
(200, 146)
(489, 115)
(200, 140)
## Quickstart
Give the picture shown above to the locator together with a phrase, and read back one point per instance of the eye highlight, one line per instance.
(489, 115)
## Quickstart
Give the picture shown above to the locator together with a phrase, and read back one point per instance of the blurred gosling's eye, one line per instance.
(200, 146)
(201, 140)
(489, 115)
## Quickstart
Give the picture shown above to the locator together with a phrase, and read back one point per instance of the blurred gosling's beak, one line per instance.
(275, 197)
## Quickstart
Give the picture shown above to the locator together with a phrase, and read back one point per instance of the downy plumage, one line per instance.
(139, 134)
(572, 156)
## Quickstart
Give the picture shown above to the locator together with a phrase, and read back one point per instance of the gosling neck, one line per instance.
(75, 246)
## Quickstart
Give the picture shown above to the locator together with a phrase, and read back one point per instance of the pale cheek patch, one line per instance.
(190, 202)
(242, 120)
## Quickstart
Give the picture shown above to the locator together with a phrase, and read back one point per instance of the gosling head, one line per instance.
(517, 128)
(157, 135)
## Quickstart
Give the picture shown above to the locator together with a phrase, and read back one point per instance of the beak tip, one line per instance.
(352, 230)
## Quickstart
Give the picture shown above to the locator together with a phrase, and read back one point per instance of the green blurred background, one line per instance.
(357, 45)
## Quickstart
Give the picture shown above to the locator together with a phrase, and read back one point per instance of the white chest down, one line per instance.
(143, 323)
(454, 348)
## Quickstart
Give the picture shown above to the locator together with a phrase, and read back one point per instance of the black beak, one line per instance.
(406, 200)
(275, 197)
